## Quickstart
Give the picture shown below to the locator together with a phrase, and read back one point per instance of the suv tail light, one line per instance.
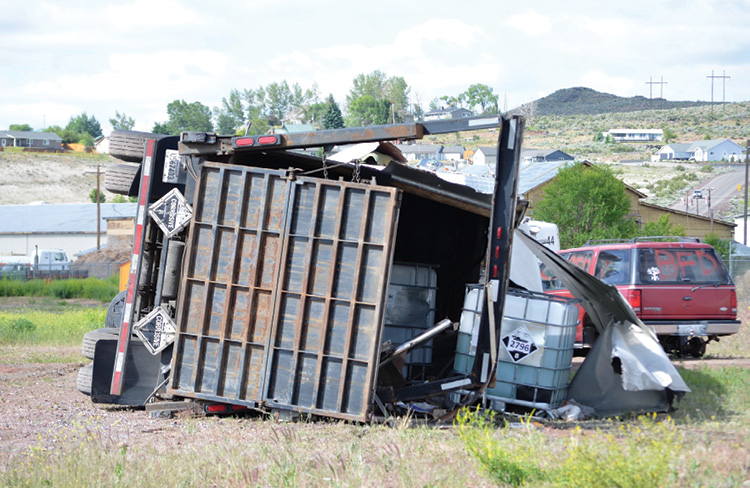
(733, 301)
(633, 296)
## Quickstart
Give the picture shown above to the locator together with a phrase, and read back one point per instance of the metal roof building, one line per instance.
(67, 226)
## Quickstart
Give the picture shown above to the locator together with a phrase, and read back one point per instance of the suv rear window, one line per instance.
(613, 266)
(680, 266)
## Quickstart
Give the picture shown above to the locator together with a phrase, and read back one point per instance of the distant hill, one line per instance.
(585, 101)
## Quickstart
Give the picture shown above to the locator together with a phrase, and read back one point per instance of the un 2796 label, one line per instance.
(519, 344)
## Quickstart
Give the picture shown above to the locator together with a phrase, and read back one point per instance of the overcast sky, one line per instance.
(135, 56)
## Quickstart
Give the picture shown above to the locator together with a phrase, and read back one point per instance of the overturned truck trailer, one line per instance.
(261, 272)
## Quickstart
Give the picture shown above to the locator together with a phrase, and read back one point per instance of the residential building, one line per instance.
(635, 135)
(68, 226)
(531, 155)
(453, 153)
(48, 141)
(485, 155)
(709, 150)
(418, 152)
(447, 113)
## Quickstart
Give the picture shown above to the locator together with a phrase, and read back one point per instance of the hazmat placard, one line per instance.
(519, 344)
(171, 212)
(156, 330)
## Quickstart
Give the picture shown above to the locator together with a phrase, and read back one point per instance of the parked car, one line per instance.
(678, 286)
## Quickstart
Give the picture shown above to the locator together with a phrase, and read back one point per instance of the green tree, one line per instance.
(84, 124)
(122, 122)
(669, 135)
(722, 246)
(332, 118)
(586, 203)
(92, 196)
(367, 110)
(662, 227)
(392, 93)
(231, 116)
(185, 116)
(479, 95)
(20, 127)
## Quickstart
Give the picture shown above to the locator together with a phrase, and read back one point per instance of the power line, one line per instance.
(724, 79)
(651, 84)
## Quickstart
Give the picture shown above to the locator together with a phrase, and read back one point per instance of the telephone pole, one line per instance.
(651, 84)
(724, 79)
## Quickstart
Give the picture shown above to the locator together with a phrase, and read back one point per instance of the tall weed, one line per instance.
(91, 288)
(639, 455)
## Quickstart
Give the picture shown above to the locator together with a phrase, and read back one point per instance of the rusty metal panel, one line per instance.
(283, 292)
(331, 300)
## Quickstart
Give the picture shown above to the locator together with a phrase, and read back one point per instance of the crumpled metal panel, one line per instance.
(283, 292)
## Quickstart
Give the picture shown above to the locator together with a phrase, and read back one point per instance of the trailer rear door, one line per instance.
(283, 294)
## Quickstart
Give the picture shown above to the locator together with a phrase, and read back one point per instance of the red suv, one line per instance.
(681, 289)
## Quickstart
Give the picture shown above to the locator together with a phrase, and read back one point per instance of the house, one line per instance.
(101, 145)
(447, 113)
(635, 135)
(295, 128)
(533, 178)
(69, 226)
(453, 153)
(48, 141)
(418, 152)
(485, 155)
(531, 155)
(709, 150)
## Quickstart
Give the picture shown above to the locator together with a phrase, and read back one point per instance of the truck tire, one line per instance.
(91, 338)
(119, 178)
(129, 145)
(83, 381)
(113, 319)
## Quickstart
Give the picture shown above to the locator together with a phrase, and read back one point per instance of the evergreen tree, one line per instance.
(332, 118)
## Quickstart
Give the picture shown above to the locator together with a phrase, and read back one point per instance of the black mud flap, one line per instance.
(144, 373)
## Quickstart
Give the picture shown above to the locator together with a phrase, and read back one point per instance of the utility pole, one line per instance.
(651, 84)
(710, 213)
(723, 77)
(747, 163)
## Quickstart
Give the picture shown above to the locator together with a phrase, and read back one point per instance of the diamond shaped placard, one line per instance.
(156, 330)
(171, 212)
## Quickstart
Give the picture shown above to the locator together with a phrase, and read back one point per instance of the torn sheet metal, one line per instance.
(524, 266)
(381, 152)
(602, 302)
(626, 371)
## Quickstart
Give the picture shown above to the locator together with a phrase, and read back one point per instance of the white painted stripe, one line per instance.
(119, 361)
(455, 384)
(127, 311)
(147, 166)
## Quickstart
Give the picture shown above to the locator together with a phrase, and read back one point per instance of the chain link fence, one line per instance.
(739, 268)
(83, 270)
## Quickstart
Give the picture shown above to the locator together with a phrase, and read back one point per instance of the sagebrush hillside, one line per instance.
(585, 101)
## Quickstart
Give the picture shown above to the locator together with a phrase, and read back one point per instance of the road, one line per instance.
(723, 188)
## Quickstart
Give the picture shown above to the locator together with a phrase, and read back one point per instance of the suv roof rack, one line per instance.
(643, 239)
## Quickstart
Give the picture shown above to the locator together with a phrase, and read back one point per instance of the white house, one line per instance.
(453, 153)
(485, 155)
(635, 135)
(448, 113)
(710, 150)
(418, 152)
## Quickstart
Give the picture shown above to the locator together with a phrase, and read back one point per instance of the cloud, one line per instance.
(150, 14)
(530, 23)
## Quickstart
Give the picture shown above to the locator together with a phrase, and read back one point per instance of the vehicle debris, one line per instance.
(264, 278)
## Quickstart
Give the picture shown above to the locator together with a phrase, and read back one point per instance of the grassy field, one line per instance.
(703, 443)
